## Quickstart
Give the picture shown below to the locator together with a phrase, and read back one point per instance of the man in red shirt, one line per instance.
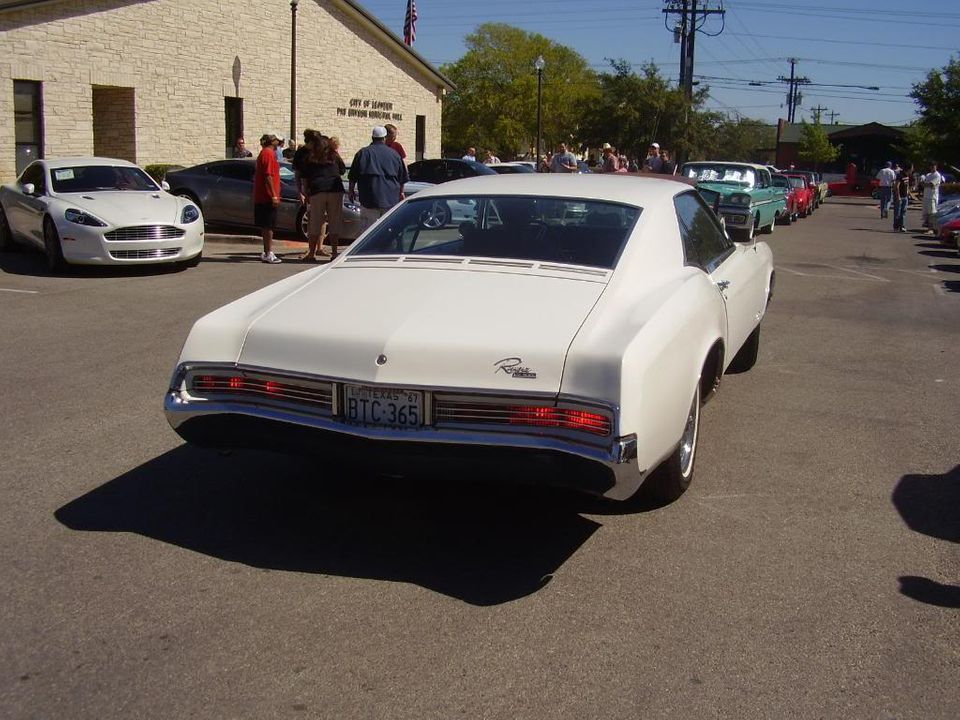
(392, 142)
(266, 194)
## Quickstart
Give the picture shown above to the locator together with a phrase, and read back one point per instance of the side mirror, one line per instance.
(164, 185)
(29, 189)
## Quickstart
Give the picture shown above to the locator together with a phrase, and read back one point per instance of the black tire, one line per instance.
(768, 229)
(747, 357)
(788, 218)
(52, 247)
(302, 223)
(669, 481)
(7, 243)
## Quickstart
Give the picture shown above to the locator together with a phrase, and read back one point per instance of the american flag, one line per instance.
(410, 23)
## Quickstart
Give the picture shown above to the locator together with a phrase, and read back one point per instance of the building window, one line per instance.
(233, 114)
(421, 141)
(28, 122)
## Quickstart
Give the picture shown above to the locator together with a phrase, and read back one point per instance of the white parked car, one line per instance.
(572, 327)
(98, 211)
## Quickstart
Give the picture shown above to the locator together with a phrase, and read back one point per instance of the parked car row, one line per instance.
(755, 198)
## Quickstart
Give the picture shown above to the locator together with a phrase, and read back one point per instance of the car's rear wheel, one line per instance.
(7, 243)
(52, 247)
(303, 223)
(669, 481)
(768, 229)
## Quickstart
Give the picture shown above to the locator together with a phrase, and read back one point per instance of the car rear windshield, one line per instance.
(99, 178)
(545, 229)
(797, 182)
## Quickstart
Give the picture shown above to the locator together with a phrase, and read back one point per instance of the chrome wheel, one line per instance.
(688, 441)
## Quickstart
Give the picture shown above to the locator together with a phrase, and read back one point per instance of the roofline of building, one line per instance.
(352, 8)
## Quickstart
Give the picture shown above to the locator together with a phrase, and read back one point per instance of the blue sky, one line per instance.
(890, 44)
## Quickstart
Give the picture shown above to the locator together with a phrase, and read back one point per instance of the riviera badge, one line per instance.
(514, 367)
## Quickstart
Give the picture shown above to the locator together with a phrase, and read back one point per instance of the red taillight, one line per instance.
(566, 418)
(204, 382)
(272, 387)
(236, 383)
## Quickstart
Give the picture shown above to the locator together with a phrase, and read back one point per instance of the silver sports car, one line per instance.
(224, 190)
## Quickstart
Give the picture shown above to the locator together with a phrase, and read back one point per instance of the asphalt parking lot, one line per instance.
(811, 571)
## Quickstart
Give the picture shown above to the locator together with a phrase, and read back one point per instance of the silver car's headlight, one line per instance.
(83, 218)
(191, 213)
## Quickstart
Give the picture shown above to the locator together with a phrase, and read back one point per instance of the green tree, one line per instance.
(745, 140)
(815, 146)
(495, 104)
(938, 129)
(635, 109)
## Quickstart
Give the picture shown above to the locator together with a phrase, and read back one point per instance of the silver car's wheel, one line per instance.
(6, 235)
(52, 247)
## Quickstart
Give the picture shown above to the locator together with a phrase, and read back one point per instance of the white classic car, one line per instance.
(98, 211)
(571, 327)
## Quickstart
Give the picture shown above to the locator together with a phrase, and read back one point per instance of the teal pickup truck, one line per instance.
(747, 200)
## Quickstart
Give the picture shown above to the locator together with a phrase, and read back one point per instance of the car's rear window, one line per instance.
(99, 178)
(546, 229)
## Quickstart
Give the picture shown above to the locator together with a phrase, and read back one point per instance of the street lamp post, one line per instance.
(539, 64)
(293, 69)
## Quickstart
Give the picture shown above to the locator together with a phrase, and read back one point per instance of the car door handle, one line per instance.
(723, 285)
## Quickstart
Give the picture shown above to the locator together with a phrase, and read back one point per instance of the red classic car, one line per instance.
(806, 193)
(791, 210)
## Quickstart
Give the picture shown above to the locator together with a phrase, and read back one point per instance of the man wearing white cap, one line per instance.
(653, 162)
(378, 172)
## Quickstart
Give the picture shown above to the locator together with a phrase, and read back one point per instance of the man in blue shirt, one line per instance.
(379, 174)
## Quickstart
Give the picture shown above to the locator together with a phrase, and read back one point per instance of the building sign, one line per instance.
(377, 109)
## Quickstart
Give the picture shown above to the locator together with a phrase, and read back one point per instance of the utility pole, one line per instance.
(794, 96)
(692, 18)
(833, 117)
(817, 112)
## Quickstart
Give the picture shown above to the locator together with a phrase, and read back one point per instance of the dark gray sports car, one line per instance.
(224, 191)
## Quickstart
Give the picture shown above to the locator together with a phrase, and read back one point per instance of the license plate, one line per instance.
(387, 407)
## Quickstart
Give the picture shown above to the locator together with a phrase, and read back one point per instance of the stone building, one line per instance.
(176, 81)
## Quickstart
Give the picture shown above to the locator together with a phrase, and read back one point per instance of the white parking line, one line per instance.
(26, 292)
(858, 272)
(818, 275)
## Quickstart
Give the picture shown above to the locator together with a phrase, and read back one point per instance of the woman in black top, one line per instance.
(319, 171)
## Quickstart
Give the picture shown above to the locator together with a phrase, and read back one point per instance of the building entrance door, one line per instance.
(114, 122)
(233, 115)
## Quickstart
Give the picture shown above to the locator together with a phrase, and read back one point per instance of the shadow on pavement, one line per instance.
(482, 543)
(938, 253)
(27, 261)
(952, 286)
(930, 504)
(946, 268)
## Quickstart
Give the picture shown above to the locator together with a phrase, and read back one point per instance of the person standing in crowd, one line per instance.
(278, 148)
(886, 177)
(851, 176)
(319, 174)
(471, 154)
(667, 167)
(901, 197)
(266, 194)
(379, 174)
(931, 193)
(392, 143)
(609, 163)
(563, 160)
(240, 148)
(653, 162)
(490, 159)
(544, 163)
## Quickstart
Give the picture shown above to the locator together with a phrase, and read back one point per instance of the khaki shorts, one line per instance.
(326, 207)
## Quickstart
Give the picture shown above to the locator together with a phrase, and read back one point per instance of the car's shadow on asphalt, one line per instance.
(929, 505)
(938, 253)
(952, 286)
(946, 268)
(484, 543)
(33, 263)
